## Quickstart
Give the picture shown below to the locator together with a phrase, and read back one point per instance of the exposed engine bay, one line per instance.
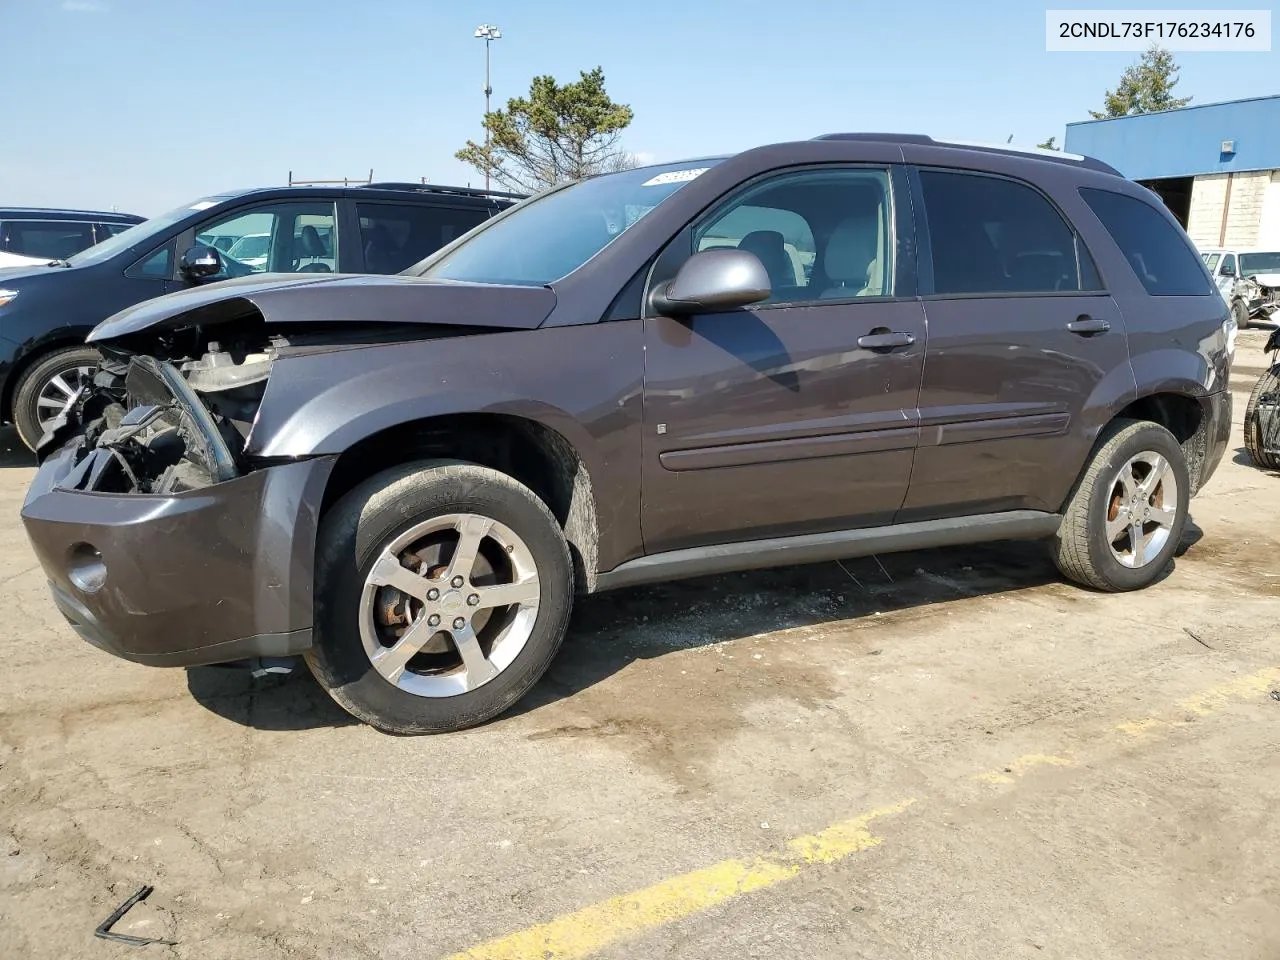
(179, 416)
(1261, 300)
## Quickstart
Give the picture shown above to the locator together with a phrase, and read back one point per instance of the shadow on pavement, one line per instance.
(610, 631)
(13, 452)
(292, 702)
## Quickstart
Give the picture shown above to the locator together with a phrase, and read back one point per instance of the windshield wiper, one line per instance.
(58, 263)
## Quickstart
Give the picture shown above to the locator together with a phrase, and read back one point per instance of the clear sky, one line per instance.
(146, 104)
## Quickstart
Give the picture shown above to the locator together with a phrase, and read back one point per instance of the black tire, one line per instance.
(1241, 313)
(1080, 548)
(1269, 382)
(351, 536)
(26, 396)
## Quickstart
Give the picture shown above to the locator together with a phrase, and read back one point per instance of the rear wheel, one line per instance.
(1126, 515)
(443, 591)
(1259, 415)
(48, 388)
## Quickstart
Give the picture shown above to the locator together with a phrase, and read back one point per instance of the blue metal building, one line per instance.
(1216, 165)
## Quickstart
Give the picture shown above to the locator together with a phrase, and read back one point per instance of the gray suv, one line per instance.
(860, 343)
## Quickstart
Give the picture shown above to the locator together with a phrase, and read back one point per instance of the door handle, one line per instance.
(885, 339)
(1087, 326)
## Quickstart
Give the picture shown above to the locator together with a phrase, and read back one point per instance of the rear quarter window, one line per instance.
(1158, 252)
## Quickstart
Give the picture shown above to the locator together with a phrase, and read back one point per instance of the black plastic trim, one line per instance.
(823, 547)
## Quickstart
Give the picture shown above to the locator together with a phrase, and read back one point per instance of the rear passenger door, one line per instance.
(394, 236)
(1021, 339)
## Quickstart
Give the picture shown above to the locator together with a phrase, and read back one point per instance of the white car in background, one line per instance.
(18, 260)
(1249, 280)
(251, 250)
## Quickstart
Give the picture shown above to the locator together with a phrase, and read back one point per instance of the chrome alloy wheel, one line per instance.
(449, 604)
(59, 393)
(1142, 509)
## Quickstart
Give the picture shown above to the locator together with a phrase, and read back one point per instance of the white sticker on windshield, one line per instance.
(204, 204)
(674, 176)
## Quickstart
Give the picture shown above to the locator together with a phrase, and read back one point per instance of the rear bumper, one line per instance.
(205, 576)
(1217, 410)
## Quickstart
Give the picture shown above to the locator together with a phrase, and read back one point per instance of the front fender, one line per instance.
(324, 403)
(583, 382)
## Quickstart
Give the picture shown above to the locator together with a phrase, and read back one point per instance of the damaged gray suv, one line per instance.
(806, 351)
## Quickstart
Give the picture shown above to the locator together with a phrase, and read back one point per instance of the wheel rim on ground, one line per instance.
(449, 604)
(58, 394)
(1142, 509)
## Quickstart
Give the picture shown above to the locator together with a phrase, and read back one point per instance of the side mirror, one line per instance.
(722, 278)
(200, 263)
(1227, 271)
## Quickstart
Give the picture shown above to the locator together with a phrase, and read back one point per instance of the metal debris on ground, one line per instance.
(1197, 639)
(1275, 694)
(103, 930)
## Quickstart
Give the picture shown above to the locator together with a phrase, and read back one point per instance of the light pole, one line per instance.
(488, 33)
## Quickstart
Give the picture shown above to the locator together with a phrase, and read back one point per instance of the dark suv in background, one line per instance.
(46, 311)
(44, 234)
(803, 352)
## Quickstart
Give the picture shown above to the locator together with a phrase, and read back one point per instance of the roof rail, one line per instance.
(1090, 163)
(439, 188)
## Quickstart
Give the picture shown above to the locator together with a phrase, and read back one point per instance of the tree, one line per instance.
(1145, 87)
(1050, 144)
(556, 133)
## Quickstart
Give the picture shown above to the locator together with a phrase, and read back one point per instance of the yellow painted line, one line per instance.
(1242, 688)
(1018, 768)
(593, 928)
(1210, 701)
(1140, 728)
(586, 931)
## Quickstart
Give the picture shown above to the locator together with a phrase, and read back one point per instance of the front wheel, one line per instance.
(48, 389)
(1126, 515)
(443, 591)
(1241, 313)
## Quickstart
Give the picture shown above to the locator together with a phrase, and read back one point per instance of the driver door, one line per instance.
(797, 415)
(280, 237)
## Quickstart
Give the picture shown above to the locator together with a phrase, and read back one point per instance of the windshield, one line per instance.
(1254, 263)
(544, 239)
(138, 233)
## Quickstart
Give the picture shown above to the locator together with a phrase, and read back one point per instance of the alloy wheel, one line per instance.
(449, 604)
(1142, 509)
(59, 393)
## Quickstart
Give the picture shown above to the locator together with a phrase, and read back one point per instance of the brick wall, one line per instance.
(1209, 192)
(1204, 223)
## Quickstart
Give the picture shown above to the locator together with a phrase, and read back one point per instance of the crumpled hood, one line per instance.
(344, 299)
(1266, 279)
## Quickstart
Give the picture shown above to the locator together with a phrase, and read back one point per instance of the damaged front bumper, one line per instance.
(160, 548)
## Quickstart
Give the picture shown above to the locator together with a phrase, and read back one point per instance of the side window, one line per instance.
(395, 237)
(1228, 268)
(1158, 252)
(286, 237)
(821, 236)
(991, 235)
(55, 239)
(154, 266)
(1211, 260)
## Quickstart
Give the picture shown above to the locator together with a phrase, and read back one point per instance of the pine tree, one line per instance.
(1145, 87)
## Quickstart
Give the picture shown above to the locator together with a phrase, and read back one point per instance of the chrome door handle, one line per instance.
(886, 340)
(1087, 326)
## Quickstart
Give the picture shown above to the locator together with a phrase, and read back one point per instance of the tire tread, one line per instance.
(340, 531)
